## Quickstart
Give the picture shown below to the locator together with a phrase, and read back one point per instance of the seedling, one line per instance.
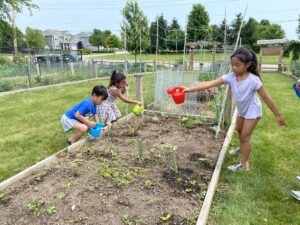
(148, 184)
(126, 219)
(39, 177)
(3, 197)
(174, 164)
(35, 207)
(140, 148)
(51, 210)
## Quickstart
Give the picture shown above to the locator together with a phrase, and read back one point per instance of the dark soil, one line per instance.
(162, 182)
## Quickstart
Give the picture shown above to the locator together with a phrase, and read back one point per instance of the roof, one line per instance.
(84, 35)
(55, 32)
(272, 42)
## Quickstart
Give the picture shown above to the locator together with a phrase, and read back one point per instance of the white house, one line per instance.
(84, 38)
(62, 40)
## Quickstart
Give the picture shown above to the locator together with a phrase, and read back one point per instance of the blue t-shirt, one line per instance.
(84, 107)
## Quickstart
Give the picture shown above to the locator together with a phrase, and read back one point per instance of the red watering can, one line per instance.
(177, 94)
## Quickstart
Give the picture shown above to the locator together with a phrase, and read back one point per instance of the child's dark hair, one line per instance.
(100, 90)
(247, 56)
(116, 78)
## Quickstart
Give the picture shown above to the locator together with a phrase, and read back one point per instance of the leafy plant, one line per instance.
(3, 196)
(6, 85)
(126, 219)
(35, 207)
(51, 210)
(148, 184)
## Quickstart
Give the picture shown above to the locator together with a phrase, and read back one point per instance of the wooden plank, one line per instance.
(202, 219)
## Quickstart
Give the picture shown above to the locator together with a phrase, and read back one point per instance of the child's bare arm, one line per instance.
(96, 118)
(127, 100)
(84, 120)
(205, 85)
(268, 100)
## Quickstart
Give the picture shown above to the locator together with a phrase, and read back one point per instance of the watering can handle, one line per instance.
(180, 88)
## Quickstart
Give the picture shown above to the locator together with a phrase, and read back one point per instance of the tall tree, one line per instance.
(6, 35)
(218, 31)
(249, 34)
(198, 23)
(112, 41)
(7, 6)
(137, 30)
(175, 36)
(162, 33)
(294, 45)
(266, 30)
(98, 37)
(235, 26)
(34, 38)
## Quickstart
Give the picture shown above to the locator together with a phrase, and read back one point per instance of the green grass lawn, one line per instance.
(261, 195)
(177, 57)
(30, 122)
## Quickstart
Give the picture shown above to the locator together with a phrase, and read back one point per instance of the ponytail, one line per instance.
(116, 78)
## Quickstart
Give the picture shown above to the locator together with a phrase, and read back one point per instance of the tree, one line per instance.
(7, 6)
(162, 34)
(98, 37)
(34, 38)
(6, 35)
(198, 24)
(218, 31)
(112, 41)
(293, 46)
(79, 45)
(266, 30)
(249, 34)
(136, 26)
(234, 29)
(175, 36)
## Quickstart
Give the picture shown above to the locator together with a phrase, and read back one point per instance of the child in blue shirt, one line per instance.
(75, 118)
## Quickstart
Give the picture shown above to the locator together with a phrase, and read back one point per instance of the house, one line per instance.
(84, 38)
(62, 40)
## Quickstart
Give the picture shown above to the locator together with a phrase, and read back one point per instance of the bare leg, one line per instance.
(245, 136)
(239, 125)
(81, 129)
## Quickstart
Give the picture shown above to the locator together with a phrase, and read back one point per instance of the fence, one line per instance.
(17, 76)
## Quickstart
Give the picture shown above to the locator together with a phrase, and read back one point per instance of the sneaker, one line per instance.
(295, 194)
(238, 166)
(298, 179)
(235, 151)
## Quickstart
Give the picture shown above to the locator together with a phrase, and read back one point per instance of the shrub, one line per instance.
(6, 85)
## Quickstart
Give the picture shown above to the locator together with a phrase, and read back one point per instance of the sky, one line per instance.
(84, 15)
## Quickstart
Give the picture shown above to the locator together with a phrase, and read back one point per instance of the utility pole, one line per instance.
(156, 58)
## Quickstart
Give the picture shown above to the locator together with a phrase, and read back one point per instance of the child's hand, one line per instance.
(280, 121)
(186, 90)
(92, 124)
(139, 103)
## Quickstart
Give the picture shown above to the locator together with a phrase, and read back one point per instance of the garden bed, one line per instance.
(150, 171)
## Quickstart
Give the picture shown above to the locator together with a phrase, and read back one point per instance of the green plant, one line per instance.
(174, 163)
(35, 207)
(126, 219)
(51, 210)
(38, 79)
(6, 85)
(148, 184)
(140, 149)
(47, 80)
(3, 196)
